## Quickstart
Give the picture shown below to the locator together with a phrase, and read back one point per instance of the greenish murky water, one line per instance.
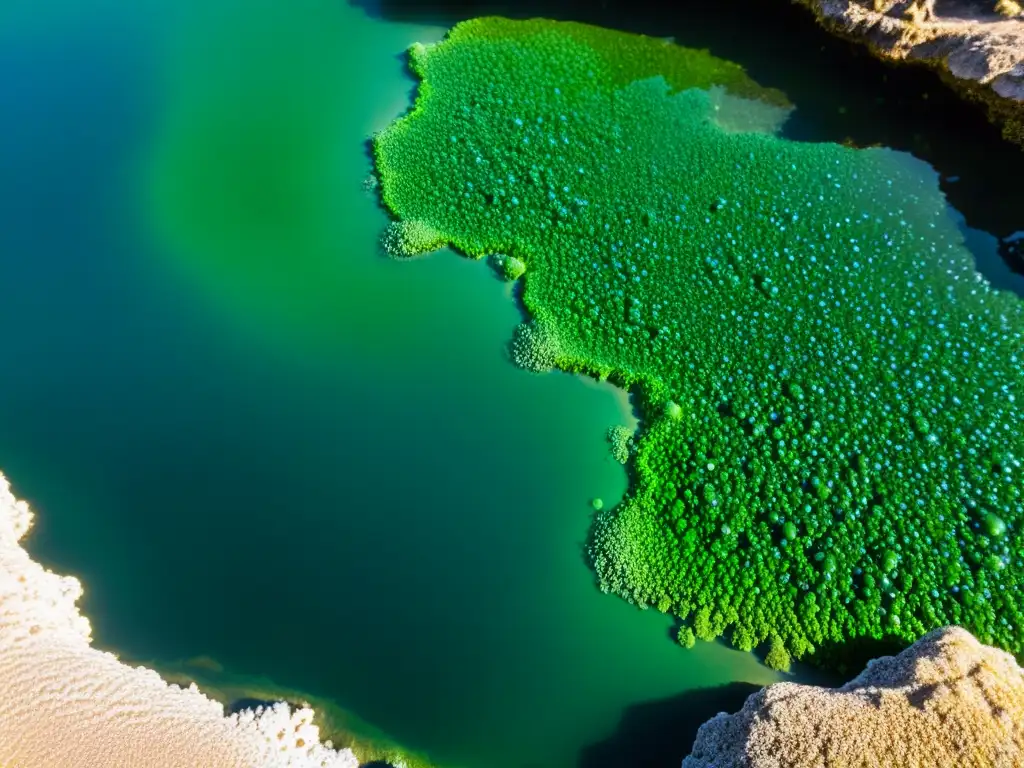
(257, 440)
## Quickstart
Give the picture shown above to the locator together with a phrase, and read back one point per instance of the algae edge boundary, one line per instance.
(648, 403)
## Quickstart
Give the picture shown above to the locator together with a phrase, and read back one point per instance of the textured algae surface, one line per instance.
(831, 443)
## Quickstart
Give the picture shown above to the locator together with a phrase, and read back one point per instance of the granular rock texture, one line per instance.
(946, 702)
(68, 705)
(980, 43)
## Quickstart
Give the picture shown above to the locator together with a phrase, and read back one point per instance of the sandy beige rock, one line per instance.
(67, 705)
(946, 702)
(980, 43)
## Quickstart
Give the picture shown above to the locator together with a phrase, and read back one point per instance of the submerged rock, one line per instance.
(980, 43)
(947, 701)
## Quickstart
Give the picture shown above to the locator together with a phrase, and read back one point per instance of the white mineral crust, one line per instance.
(66, 704)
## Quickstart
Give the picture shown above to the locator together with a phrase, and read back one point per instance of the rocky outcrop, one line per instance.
(977, 44)
(946, 702)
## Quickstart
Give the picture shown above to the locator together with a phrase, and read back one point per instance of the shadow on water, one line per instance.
(842, 92)
(846, 660)
(992, 258)
(658, 734)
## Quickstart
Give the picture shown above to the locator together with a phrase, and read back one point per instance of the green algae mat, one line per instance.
(831, 443)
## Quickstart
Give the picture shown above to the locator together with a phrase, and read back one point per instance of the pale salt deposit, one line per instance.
(67, 705)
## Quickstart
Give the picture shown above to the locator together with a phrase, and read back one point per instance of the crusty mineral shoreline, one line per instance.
(977, 44)
(67, 705)
(946, 702)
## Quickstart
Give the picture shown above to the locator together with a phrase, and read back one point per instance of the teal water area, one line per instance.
(256, 439)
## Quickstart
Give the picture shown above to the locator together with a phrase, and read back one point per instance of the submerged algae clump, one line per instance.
(827, 384)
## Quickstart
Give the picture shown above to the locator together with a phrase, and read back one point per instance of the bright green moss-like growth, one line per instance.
(778, 656)
(509, 267)
(831, 439)
(686, 637)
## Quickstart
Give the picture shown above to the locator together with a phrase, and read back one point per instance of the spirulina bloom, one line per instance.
(832, 438)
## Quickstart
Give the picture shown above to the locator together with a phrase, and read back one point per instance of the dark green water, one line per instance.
(255, 439)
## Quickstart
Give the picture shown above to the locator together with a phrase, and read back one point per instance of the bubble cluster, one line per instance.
(832, 444)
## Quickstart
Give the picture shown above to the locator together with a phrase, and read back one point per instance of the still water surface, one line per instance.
(254, 438)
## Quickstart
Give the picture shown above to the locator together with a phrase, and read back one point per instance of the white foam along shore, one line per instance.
(68, 705)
